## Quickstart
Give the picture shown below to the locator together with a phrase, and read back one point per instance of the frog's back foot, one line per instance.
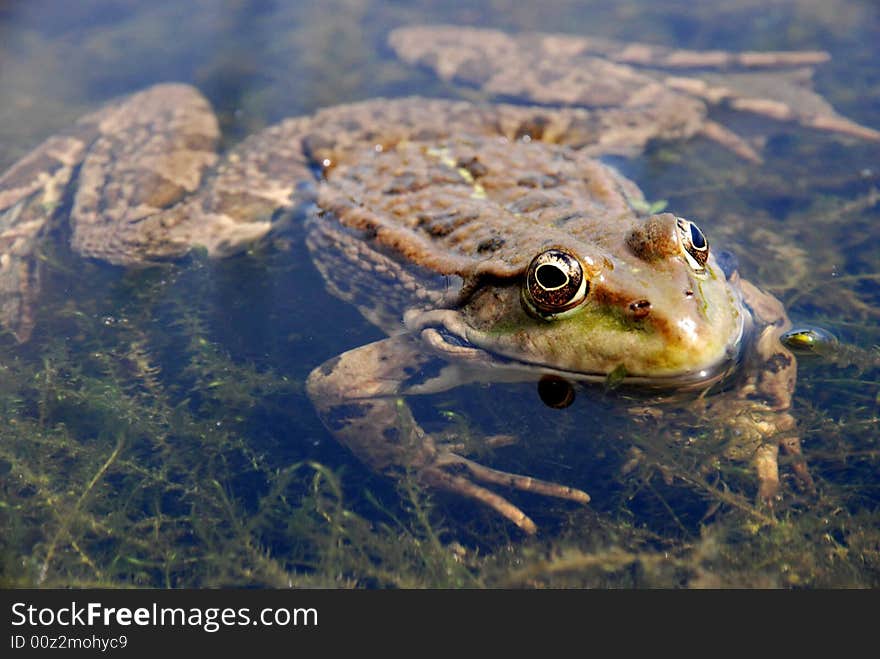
(147, 190)
(829, 121)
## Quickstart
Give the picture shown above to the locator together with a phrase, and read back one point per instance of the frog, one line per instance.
(487, 239)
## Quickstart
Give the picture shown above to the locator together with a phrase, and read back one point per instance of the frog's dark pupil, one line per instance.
(698, 240)
(550, 277)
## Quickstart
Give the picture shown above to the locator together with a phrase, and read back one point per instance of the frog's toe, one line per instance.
(781, 96)
(767, 466)
(490, 441)
(464, 487)
(728, 139)
(824, 119)
(791, 446)
(441, 474)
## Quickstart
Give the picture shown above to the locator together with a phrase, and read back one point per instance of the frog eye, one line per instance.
(555, 282)
(694, 244)
(810, 340)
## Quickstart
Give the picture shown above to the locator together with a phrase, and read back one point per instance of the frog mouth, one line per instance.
(488, 364)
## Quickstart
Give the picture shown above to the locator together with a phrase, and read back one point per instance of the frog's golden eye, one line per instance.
(694, 245)
(555, 282)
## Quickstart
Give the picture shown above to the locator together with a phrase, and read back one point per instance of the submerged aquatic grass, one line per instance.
(137, 450)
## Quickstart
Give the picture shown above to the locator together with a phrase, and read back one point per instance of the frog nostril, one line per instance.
(639, 309)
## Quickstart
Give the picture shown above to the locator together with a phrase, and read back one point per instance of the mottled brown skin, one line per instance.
(426, 216)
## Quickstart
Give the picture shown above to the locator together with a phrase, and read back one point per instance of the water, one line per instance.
(156, 431)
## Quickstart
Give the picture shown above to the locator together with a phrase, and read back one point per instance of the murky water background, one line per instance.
(155, 431)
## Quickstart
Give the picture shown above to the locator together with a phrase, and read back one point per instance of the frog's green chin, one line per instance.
(694, 377)
(472, 350)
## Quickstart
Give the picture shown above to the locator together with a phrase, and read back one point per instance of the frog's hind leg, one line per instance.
(146, 189)
(628, 92)
(152, 185)
(357, 396)
(138, 154)
(774, 84)
(149, 156)
(31, 192)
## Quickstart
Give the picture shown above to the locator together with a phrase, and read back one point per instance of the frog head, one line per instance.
(652, 305)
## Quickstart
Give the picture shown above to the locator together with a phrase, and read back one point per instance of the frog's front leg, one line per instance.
(767, 394)
(358, 397)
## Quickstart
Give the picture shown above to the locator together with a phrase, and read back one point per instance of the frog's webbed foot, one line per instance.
(444, 473)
